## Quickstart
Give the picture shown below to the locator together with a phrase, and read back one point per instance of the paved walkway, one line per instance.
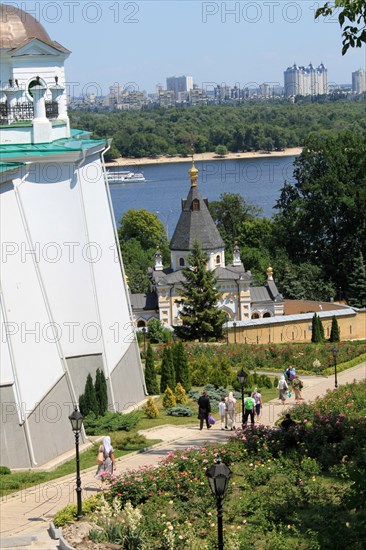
(27, 514)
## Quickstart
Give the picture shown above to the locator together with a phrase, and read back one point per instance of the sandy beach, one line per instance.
(121, 161)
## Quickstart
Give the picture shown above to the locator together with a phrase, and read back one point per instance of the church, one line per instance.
(240, 300)
(65, 309)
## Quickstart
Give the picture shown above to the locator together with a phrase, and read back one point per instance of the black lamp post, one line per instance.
(143, 330)
(242, 378)
(234, 325)
(218, 478)
(335, 353)
(76, 419)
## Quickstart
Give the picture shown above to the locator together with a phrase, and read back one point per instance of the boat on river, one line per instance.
(124, 176)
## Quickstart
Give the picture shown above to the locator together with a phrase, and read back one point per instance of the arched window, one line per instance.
(267, 314)
(195, 205)
(218, 259)
(182, 262)
(255, 315)
(141, 324)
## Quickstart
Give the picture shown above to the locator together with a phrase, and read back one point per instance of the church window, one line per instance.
(35, 82)
(255, 316)
(141, 324)
(218, 259)
(182, 262)
(267, 314)
(195, 205)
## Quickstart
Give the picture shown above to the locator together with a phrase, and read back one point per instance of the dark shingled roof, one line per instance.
(195, 225)
(148, 301)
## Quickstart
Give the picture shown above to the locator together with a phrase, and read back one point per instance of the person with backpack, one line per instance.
(282, 389)
(249, 409)
(257, 396)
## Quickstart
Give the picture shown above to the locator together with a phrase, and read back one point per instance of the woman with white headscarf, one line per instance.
(282, 389)
(106, 460)
(230, 408)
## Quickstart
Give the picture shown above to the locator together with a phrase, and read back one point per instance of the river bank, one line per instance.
(121, 161)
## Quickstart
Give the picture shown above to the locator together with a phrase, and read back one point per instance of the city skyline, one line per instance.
(142, 43)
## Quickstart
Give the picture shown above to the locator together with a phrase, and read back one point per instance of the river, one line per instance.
(258, 180)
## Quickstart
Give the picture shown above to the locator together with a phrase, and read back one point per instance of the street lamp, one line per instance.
(335, 353)
(234, 325)
(218, 478)
(242, 378)
(76, 419)
(143, 330)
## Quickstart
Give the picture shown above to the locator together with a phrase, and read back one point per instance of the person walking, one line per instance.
(257, 396)
(297, 386)
(282, 389)
(288, 374)
(231, 412)
(223, 413)
(204, 409)
(106, 460)
(249, 409)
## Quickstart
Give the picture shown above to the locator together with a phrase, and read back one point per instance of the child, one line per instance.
(223, 413)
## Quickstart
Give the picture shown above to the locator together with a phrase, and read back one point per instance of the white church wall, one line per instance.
(56, 223)
(37, 359)
(6, 370)
(113, 307)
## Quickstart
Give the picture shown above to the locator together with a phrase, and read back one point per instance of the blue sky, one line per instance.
(143, 42)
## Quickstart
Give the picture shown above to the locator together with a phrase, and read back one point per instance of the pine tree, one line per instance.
(167, 370)
(181, 366)
(334, 331)
(317, 334)
(321, 330)
(88, 401)
(169, 398)
(201, 318)
(356, 292)
(151, 380)
(101, 392)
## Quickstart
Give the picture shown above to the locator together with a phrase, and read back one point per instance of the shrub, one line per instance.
(179, 411)
(180, 394)
(275, 381)
(169, 399)
(69, 513)
(127, 441)
(4, 470)
(150, 409)
(110, 422)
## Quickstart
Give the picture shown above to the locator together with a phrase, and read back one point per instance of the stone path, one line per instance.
(27, 513)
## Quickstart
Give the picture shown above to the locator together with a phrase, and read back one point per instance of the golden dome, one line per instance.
(193, 174)
(18, 26)
(269, 270)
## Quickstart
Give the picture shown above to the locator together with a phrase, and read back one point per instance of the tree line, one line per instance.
(248, 127)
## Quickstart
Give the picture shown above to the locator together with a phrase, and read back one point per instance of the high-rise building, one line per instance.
(178, 84)
(359, 81)
(299, 80)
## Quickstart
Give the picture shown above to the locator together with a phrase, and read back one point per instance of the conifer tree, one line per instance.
(321, 329)
(357, 283)
(315, 329)
(169, 398)
(201, 318)
(88, 401)
(151, 380)
(167, 370)
(334, 331)
(151, 409)
(181, 366)
(180, 394)
(101, 392)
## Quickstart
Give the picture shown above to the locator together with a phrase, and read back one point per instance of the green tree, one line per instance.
(146, 228)
(316, 334)
(155, 331)
(101, 392)
(88, 400)
(169, 398)
(356, 293)
(321, 218)
(352, 20)
(167, 370)
(221, 150)
(151, 380)
(200, 316)
(181, 366)
(334, 331)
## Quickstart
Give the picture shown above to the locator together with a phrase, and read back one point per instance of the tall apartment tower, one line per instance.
(300, 80)
(178, 84)
(359, 81)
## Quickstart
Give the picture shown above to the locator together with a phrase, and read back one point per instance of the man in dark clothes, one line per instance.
(204, 409)
(288, 422)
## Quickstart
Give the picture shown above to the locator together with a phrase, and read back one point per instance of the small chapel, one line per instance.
(241, 300)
